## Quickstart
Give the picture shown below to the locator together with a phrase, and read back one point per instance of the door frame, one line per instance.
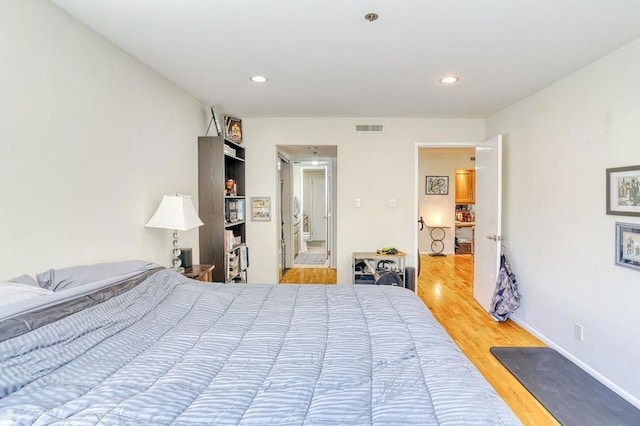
(418, 181)
(282, 209)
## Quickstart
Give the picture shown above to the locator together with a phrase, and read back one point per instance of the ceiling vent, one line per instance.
(369, 128)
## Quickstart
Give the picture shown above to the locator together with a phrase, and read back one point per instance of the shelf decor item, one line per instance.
(623, 191)
(175, 212)
(233, 129)
(261, 209)
(230, 187)
(628, 245)
(216, 120)
(437, 185)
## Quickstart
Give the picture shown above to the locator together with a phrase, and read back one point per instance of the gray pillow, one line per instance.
(58, 279)
(25, 279)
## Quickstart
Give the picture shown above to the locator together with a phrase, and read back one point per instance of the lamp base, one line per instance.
(177, 262)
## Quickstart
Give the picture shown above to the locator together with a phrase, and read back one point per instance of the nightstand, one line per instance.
(200, 272)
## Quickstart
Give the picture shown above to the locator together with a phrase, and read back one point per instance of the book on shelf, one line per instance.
(229, 151)
(244, 258)
(229, 239)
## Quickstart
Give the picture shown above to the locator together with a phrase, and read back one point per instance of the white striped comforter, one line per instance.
(174, 351)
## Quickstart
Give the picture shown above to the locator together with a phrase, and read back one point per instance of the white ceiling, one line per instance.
(324, 60)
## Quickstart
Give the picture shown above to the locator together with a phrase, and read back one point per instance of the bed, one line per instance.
(157, 348)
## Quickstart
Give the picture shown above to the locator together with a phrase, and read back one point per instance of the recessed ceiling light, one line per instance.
(450, 79)
(258, 79)
(371, 16)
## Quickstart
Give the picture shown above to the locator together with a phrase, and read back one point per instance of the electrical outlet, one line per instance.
(356, 203)
(578, 332)
(393, 203)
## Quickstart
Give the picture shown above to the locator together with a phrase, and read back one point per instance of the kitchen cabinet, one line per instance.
(465, 186)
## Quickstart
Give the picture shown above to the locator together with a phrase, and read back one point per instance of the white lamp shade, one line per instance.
(175, 212)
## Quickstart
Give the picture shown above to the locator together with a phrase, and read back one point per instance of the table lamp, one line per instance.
(175, 212)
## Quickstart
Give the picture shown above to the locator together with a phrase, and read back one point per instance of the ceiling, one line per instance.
(323, 59)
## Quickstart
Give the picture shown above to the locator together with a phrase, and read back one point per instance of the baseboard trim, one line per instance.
(599, 377)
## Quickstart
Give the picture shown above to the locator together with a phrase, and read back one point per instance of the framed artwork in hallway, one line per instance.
(437, 185)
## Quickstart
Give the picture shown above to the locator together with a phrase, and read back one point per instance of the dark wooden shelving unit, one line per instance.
(221, 212)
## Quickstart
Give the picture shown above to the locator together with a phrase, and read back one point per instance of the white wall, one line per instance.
(440, 162)
(90, 140)
(558, 144)
(372, 167)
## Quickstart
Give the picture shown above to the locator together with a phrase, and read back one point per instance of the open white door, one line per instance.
(318, 207)
(488, 231)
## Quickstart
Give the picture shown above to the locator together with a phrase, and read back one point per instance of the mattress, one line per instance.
(170, 350)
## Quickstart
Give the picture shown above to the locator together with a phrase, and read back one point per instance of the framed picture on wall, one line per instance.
(437, 185)
(261, 209)
(623, 191)
(233, 129)
(628, 245)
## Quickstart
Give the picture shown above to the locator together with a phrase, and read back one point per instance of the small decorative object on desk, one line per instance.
(387, 250)
(233, 129)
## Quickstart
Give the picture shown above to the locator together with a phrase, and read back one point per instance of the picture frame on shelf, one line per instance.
(261, 209)
(436, 185)
(628, 245)
(234, 210)
(623, 191)
(233, 129)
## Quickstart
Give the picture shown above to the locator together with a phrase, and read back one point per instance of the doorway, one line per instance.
(305, 206)
(454, 211)
(479, 218)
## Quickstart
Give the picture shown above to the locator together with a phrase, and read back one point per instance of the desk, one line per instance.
(200, 272)
(437, 235)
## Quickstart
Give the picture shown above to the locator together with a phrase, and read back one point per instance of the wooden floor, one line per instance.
(446, 286)
(309, 276)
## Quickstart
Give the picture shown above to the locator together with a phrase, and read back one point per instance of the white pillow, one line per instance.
(15, 292)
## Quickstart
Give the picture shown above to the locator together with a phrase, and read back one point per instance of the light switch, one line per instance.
(393, 203)
(356, 203)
